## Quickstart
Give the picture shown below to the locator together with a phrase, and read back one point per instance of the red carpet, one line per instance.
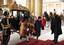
(39, 42)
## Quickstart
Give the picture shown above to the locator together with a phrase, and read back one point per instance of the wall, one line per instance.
(50, 5)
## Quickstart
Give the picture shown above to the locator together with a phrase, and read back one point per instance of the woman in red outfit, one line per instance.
(43, 22)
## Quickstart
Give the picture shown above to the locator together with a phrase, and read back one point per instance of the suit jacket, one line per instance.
(38, 25)
(56, 25)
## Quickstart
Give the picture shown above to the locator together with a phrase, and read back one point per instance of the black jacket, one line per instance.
(38, 25)
(7, 30)
(56, 25)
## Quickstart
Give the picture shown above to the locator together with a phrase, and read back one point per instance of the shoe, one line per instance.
(55, 41)
(21, 37)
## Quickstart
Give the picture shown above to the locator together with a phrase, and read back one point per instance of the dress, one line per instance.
(23, 30)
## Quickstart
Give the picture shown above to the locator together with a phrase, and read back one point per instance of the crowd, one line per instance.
(28, 26)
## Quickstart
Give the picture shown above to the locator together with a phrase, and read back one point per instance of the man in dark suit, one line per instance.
(56, 27)
(38, 26)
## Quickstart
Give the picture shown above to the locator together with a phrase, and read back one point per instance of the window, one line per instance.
(15, 13)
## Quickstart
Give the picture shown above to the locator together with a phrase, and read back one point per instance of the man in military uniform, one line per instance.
(5, 23)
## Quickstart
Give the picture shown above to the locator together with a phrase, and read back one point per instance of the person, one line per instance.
(47, 16)
(1, 17)
(54, 10)
(51, 15)
(14, 23)
(51, 19)
(31, 27)
(23, 29)
(56, 27)
(43, 22)
(38, 26)
(5, 23)
(47, 19)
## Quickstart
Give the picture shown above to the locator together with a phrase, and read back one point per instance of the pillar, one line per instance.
(38, 8)
(32, 7)
(28, 4)
(5, 2)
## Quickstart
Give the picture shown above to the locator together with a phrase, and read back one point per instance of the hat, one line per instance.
(6, 13)
(0, 9)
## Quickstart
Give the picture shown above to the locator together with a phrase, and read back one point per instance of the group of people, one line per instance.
(28, 27)
(55, 26)
(55, 20)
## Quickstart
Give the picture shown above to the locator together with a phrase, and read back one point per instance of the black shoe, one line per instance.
(21, 37)
(55, 41)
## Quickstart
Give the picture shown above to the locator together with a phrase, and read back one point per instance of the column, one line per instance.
(5, 2)
(28, 4)
(32, 7)
(38, 8)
